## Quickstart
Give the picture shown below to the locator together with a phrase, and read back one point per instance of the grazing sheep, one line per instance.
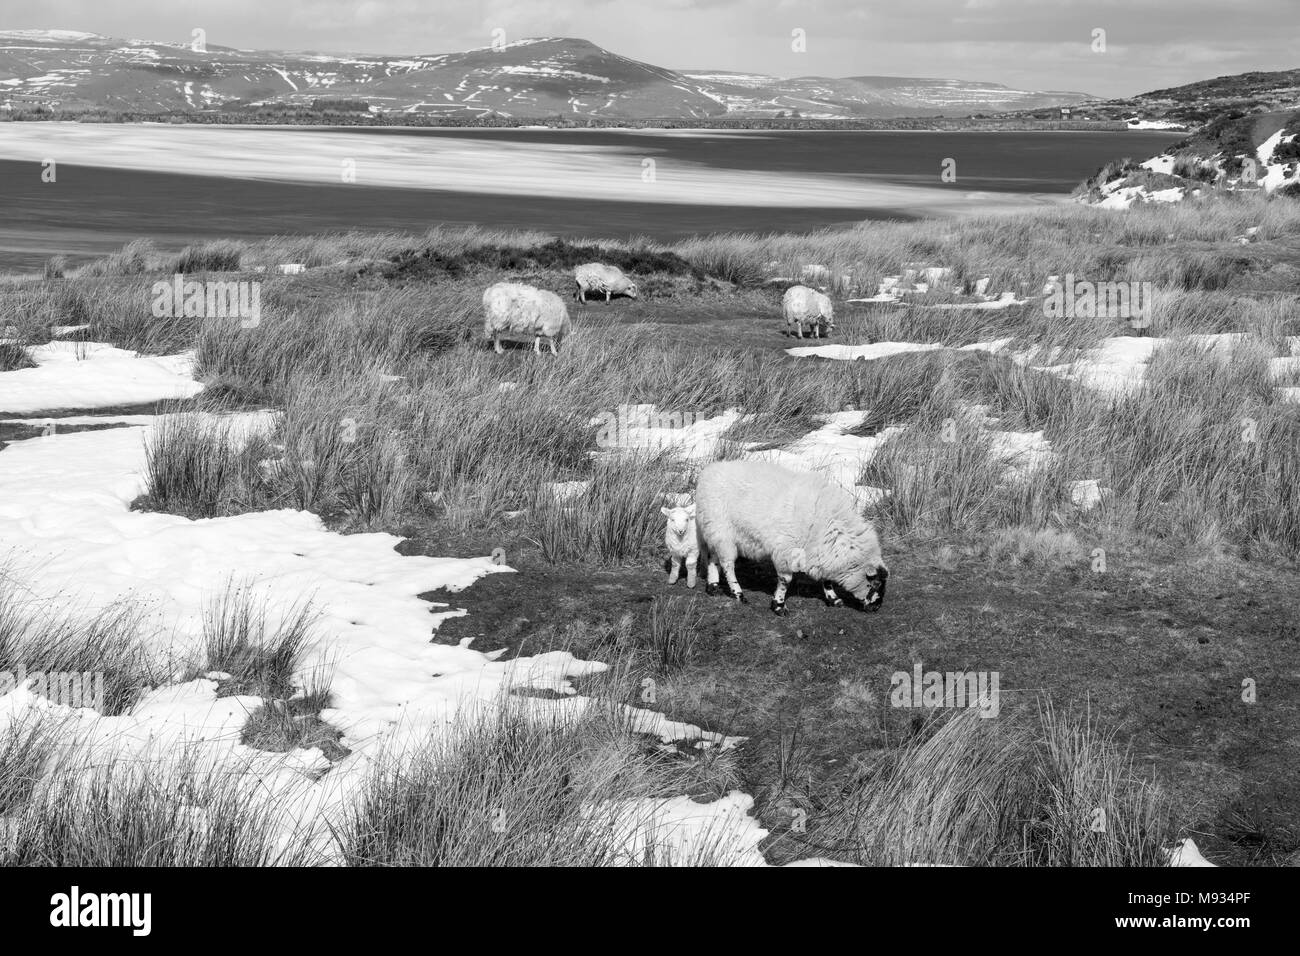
(598, 277)
(800, 520)
(804, 305)
(683, 543)
(516, 310)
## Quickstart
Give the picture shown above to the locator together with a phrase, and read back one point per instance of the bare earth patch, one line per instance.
(1157, 650)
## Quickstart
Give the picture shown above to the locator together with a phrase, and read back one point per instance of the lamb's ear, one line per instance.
(665, 512)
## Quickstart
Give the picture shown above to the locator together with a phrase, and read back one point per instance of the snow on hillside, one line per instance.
(549, 74)
(1115, 366)
(1136, 123)
(1191, 168)
(51, 35)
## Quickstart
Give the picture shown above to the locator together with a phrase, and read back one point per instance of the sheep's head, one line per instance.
(867, 585)
(856, 558)
(679, 519)
(631, 290)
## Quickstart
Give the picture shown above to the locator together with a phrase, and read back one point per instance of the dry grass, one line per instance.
(1004, 791)
(516, 788)
(41, 640)
(260, 654)
(446, 429)
(168, 811)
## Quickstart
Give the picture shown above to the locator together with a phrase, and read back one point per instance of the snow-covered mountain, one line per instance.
(529, 78)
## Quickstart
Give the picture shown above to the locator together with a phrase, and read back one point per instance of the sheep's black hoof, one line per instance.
(778, 607)
(710, 589)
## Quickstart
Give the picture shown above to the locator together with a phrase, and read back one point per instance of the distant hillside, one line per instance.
(1205, 101)
(1238, 151)
(541, 77)
(869, 96)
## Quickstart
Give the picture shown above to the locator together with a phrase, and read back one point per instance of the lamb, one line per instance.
(682, 539)
(598, 277)
(804, 305)
(517, 310)
(800, 520)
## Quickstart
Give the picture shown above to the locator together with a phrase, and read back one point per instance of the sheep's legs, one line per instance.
(778, 599)
(496, 344)
(537, 344)
(729, 569)
(606, 295)
(553, 351)
(711, 577)
(828, 592)
(692, 562)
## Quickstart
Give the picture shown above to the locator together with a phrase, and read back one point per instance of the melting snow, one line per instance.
(68, 531)
(92, 375)
(1116, 365)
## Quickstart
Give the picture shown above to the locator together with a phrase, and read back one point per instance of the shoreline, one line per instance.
(834, 126)
(465, 164)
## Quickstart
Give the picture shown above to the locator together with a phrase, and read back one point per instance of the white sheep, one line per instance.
(756, 509)
(598, 277)
(516, 310)
(682, 538)
(802, 305)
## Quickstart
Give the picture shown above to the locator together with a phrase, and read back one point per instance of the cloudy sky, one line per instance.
(1033, 44)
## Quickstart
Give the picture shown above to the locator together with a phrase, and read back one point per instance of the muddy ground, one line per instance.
(1156, 648)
